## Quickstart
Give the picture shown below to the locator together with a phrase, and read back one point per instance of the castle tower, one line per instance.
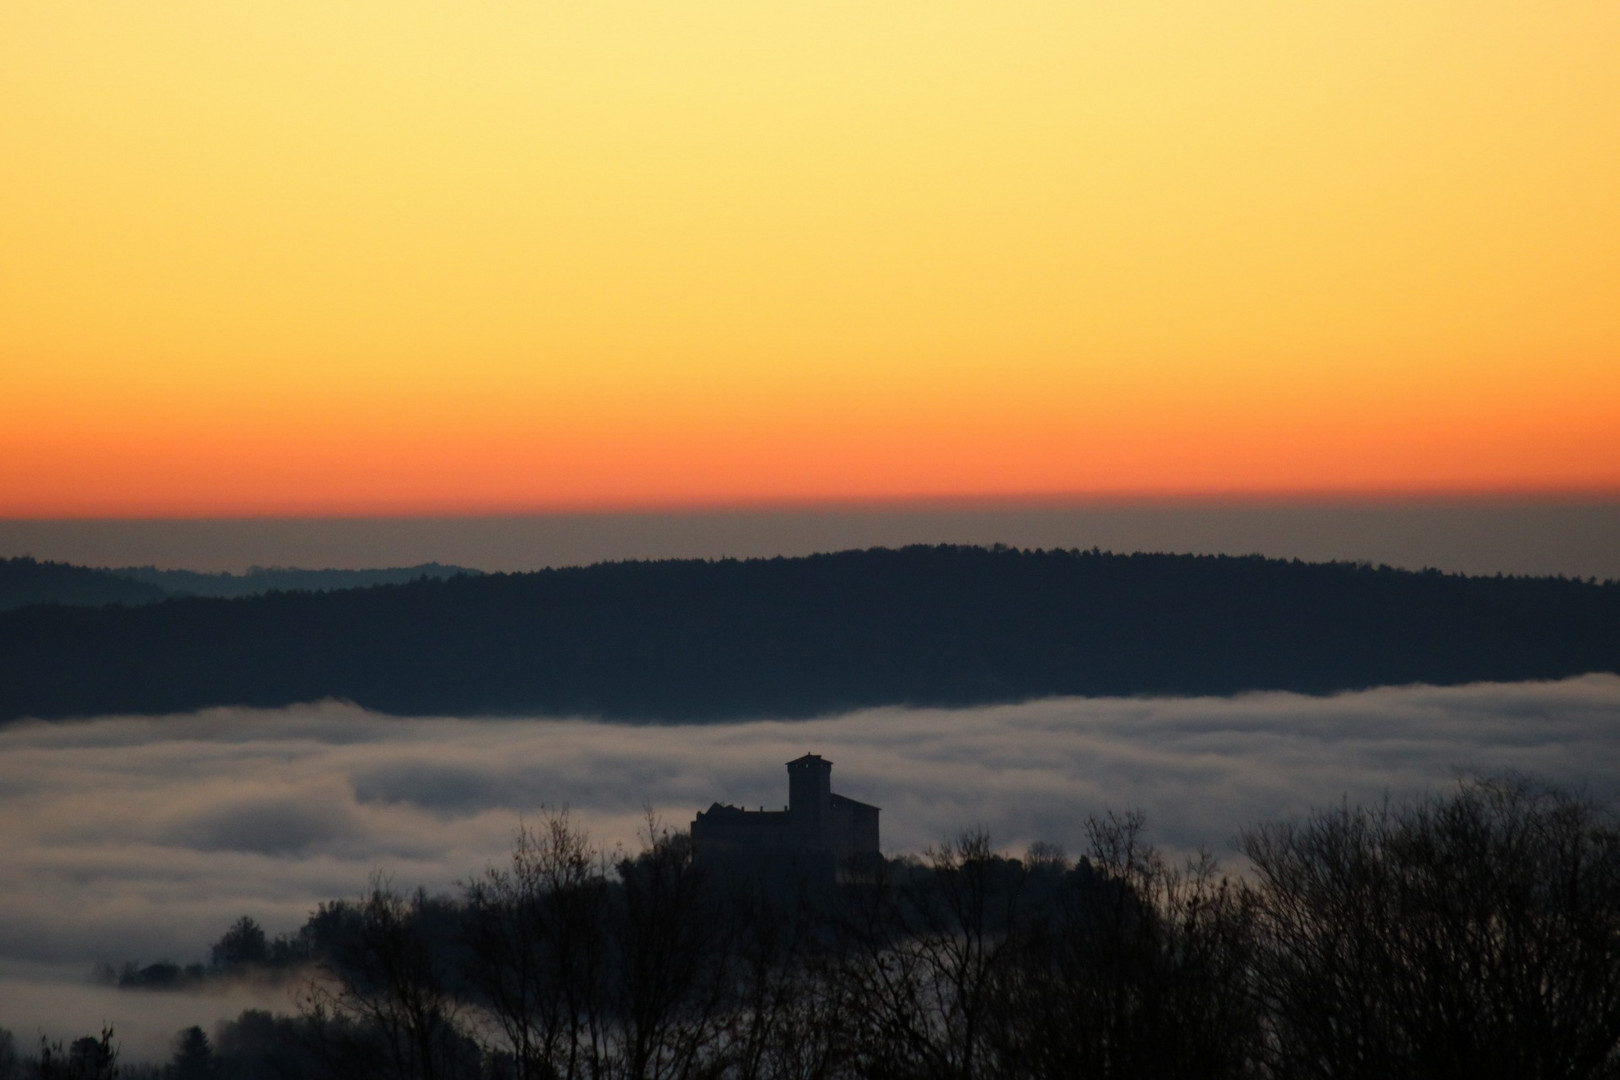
(810, 800)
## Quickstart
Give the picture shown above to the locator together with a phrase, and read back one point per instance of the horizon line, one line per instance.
(877, 504)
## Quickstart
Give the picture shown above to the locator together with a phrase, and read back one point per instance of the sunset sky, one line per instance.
(388, 256)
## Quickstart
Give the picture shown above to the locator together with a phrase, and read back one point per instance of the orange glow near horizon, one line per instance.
(504, 256)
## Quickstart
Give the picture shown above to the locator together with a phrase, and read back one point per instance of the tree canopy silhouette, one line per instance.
(697, 640)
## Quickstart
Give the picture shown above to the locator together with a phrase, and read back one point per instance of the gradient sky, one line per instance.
(307, 257)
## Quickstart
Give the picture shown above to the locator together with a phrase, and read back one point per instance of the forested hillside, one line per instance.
(697, 640)
(26, 581)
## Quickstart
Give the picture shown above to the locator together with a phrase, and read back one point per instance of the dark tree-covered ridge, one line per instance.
(25, 581)
(699, 640)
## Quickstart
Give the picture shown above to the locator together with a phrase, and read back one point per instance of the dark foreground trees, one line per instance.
(1133, 967)
(1471, 936)
(1474, 934)
(86, 1058)
(583, 967)
(386, 1004)
(569, 963)
(972, 964)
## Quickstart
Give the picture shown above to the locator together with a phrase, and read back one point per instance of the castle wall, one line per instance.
(816, 823)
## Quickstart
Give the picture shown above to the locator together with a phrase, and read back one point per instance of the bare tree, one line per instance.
(537, 936)
(924, 946)
(585, 972)
(673, 962)
(1474, 935)
(387, 984)
(783, 1020)
(1130, 967)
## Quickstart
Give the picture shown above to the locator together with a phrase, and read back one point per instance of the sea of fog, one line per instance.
(143, 838)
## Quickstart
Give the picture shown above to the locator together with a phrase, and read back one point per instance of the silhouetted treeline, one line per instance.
(90, 1057)
(242, 950)
(263, 579)
(694, 640)
(1473, 935)
(25, 581)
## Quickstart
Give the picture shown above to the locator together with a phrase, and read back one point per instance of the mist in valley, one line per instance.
(143, 839)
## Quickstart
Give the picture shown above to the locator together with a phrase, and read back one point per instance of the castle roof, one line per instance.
(727, 812)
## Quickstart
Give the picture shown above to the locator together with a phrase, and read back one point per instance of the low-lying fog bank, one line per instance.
(142, 839)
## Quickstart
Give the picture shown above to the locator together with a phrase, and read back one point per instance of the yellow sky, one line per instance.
(383, 255)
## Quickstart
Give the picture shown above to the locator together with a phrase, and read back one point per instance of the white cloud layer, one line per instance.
(143, 838)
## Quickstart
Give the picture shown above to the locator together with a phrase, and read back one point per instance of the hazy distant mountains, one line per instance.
(26, 581)
(696, 640)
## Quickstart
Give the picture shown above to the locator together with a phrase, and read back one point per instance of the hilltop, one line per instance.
(692, 640)
(25, 581)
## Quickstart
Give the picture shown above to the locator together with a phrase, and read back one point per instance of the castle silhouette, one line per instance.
(816, 826)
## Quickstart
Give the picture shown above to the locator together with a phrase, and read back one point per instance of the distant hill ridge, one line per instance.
(692, 640)
(25, 581)
(262, 579)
